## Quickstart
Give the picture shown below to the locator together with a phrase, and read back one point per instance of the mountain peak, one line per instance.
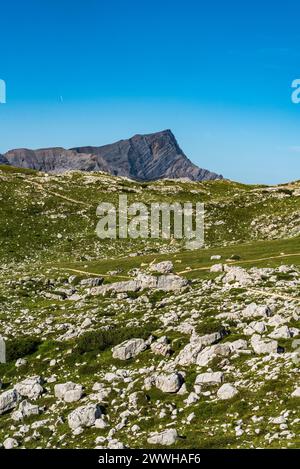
(141, 157)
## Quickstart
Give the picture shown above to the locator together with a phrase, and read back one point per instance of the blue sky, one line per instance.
(218, 74)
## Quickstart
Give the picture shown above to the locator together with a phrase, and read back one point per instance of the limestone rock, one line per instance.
(171, 282)
(30, 387)
(84, 416)
(227, 391)
(261, 345)
(8, 400)
(169, 383)
(10, 443)
(296, 392)
(216, 377)
(129, 349)
(165, 267)
(216, 268)
(92, 282)
(283, 332)
(164, 438)
(2, 350)
(254, 310)
(161, 347)
(69, 392)
(25, 409)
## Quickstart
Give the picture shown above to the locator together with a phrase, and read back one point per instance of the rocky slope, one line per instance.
(141, 343)
(142, 157)
(204, 364)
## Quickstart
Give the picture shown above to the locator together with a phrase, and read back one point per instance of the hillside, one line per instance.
(211, 354)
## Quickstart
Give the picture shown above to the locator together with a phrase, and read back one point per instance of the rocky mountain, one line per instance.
(3, 160)
(142, 157)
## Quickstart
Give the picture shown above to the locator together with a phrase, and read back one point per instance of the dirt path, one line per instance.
(91, 273)
(278, 295)
(42, 188)
(297, 254)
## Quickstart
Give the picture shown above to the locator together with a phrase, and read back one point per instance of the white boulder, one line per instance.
(30, 387)
(216, 377)
(10, 443)
(226, 391)
(164, 438)
(25, 409)
(169, 382)
(84, 416)
(69, 392)
(8, 400)
(129, 349)
(261, 345)
(164, 267)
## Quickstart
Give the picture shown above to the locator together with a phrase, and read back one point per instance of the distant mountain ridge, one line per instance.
(142, 157)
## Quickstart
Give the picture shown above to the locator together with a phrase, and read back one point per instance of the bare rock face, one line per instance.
(142, 157)
(3, 160)
(54, 160)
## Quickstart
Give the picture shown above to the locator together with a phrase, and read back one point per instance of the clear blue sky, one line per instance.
(217, 73)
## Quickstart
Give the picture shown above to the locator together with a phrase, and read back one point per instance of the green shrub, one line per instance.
(97, 341)
(210, 326)
(18, 348)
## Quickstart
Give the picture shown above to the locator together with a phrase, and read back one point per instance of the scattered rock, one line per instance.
(8, 400)
(262, 345)
(129, 349)
(10, 443)
(25, 409)
(169, 383)
(165, 267)
(30, 387)
(84, 416)
(69, 392)
(210, 378)
(164, 438)
(226, 391)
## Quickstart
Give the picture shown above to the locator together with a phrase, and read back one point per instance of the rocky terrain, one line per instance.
(142, 157)
(145, 343)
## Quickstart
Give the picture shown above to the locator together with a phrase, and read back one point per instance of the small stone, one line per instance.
(10, 443)
(20, 362)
